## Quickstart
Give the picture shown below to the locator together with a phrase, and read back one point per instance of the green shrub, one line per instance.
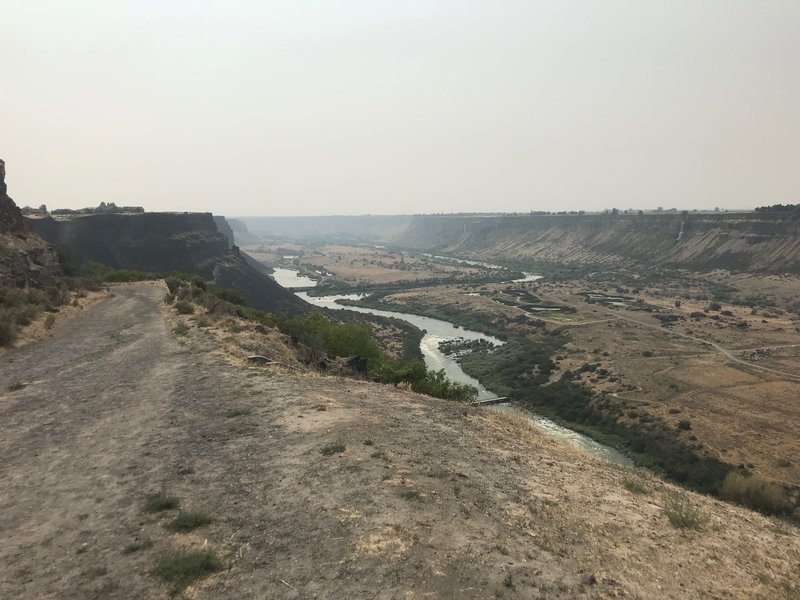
(188, 521)
(8, 332)
(169, 298)
(436, 384)
(634, 486)
(27, 313)
(49, 321)
(330, 449)
(228, 295)
(159, 501)
(181, 328)
(100, 272)
(183, 568)
(337, 339)
(173, 284)
(184, 308)
(764, 496)
(681, 513)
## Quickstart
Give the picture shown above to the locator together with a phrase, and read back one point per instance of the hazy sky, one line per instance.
(347, 107)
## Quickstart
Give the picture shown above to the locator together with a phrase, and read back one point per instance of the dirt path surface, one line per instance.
(412, 498)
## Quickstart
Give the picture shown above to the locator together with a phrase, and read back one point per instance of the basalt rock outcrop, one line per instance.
(25, 258)
(765, 241)
(166, 243)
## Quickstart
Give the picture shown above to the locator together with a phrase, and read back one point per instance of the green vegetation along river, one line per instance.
(437, 331)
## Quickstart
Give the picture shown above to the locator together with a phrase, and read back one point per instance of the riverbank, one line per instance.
(594, 388)
(438, 331)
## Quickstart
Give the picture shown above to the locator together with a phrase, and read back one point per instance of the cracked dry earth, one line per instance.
(426, 498)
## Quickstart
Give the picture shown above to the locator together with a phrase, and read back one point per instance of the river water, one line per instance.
(477, 263)
(290, 278)
(437, 331)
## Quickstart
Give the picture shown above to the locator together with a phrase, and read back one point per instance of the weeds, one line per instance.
(409, 494)
(380, 455)
(182, 568)
(160, 501)
(237, 412)
(368, 442)
(17, 385)
(764, 496)
(137, 546)
(634, 486)
(681, 513)
(188, 521)
(184, 308)
(439, 473)
(330, 449)
(181, 328)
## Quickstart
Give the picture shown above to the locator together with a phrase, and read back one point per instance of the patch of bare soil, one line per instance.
(326, 487)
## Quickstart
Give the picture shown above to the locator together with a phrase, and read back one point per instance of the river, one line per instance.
(437, 331)
(477, 263)
(290, 278)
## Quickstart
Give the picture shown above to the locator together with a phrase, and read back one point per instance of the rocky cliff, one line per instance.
(164, 243)
(25, 258)
(767, 242)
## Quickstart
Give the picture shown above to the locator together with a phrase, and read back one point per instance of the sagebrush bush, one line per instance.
(681, 513)
(173, 284)
(184, 308)
(188, 521)
(764, 496)
(184, 567)
(8, 332)
(160, 501)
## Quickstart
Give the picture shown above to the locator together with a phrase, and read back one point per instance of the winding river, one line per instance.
(437, 331)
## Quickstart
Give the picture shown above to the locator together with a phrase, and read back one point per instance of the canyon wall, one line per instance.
(767, 241)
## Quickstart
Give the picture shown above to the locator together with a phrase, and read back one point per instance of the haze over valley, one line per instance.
(359, 300)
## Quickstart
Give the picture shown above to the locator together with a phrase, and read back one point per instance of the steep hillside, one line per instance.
(758, 242)
(241, 233)
(295, 485)
(163, 243)
(25, 259)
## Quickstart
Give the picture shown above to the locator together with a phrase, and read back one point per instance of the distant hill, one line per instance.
(363, 228)
(766, 241)
(164, 243)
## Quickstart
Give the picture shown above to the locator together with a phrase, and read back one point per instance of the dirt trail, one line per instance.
(78, 442)
(427, 498)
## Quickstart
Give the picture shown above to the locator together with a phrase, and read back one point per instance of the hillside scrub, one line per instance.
(522, 368)
(764, 496)
(19, 307)
(321, 336)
